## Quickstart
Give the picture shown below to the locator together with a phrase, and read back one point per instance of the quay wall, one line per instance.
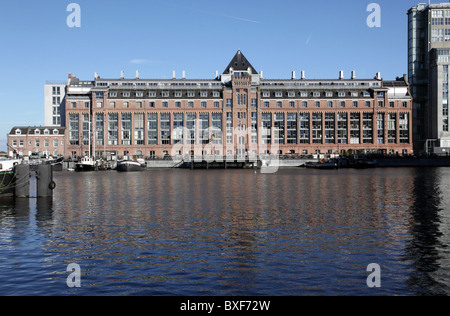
(414, 162)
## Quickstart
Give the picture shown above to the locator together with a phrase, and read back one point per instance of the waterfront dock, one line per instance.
(281, 161)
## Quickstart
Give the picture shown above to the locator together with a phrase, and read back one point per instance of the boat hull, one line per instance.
(81, 167)
(6, 182)
(129, 167)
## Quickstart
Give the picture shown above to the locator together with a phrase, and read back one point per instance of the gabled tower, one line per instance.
(239, 66)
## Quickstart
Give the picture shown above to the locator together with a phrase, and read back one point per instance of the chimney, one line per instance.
(122, 74)
(137, 74)
(96, 76)
(217, 74)
(353, 74)
(341, 74)
(293, 75)
(184, 74)
(303, 74)
(378, 77)
(70, 75)
(261, 74)
(174, 75)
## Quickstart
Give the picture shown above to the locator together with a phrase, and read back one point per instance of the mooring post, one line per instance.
(45, 183)
(22, 182)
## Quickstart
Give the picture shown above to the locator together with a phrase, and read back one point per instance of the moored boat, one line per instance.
(86, 164)
(131, 165)
(332, 164)
(7, 175)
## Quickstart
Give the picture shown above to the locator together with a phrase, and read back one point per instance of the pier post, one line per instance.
(22, 182)
(45, 183)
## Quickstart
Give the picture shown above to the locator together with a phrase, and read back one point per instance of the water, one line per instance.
(231, 232)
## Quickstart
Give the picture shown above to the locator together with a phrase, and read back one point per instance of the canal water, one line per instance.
(231, 232)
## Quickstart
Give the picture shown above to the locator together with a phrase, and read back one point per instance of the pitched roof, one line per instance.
(239, 63)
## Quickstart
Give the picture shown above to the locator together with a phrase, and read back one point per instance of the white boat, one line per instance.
(7, 165)
(86, 164)
(131, 165)
(7, 175)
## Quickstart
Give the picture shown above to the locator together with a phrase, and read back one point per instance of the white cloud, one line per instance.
(144, 61)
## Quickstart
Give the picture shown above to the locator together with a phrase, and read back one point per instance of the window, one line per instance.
(126, 128)
(291, 121)
(113, 94)
(177, 128)
(229, 102)
(99, 129)
(152, 127)
(203, 104)
(165, 129)
(73, 129)
(139, 129)
(126, 94)
(113, 128)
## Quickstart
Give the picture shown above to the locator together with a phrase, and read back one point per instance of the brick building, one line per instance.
(37, 141)
(237, 113)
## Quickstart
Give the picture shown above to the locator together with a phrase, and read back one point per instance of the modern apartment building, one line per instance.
(428, 69)
(237, 113)
(54, 103)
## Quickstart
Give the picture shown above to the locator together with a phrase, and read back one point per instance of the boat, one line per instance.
(86, 164)
(332, 164)
(131, 165)
(7, 175)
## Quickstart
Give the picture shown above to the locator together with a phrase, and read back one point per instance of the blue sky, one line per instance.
(156, 37)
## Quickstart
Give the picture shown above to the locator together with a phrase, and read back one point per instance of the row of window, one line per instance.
(317, 94)
(20, 143)
(38, 132)
(290, 128)
(217, 94)
(242, 100)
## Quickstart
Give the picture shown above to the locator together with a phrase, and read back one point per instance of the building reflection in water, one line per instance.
(428, 248)
(246, 232)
